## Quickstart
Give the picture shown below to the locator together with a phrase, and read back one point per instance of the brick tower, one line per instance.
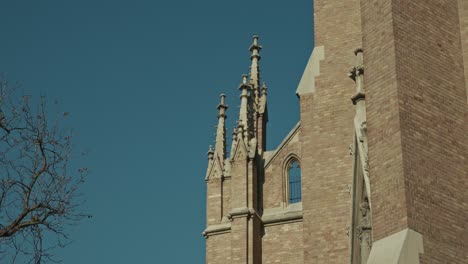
(376, 169)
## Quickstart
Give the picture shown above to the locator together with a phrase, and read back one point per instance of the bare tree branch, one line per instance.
(38, 197)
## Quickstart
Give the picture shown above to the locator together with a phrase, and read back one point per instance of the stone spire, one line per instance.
(254, 68)
(263, 98)
(220, 146)
(217, 156)
(262, 119)
(210, 155)
(244, 111)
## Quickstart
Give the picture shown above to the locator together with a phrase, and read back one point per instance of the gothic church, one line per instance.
(376, 169)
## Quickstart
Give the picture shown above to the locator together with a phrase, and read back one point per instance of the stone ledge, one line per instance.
(279, 216)
(273, 216)
(403, 247)
(217, 230)
(242, 212)
(312, 70)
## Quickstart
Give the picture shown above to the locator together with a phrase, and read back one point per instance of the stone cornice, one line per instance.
(274, 216)
(312, 70)
(279, 216)
(242, 212)
(217, 230)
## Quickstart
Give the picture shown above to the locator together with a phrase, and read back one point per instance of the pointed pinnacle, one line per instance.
(255, 45)
(255, 39)
(222, 104)
(210, 152)
(223, 96)
(244, 78)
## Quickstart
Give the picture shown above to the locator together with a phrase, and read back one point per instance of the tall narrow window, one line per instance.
(294, 178)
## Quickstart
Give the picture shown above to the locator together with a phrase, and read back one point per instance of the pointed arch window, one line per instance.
(294, 182)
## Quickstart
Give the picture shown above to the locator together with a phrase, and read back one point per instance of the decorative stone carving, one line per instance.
(362, 222)
(365, 230)
(252, 148)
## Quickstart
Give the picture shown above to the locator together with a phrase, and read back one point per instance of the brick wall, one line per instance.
(326, 133)
(213, 201)
(218, 249)
(283, 244)
(384, 135)
(463, 14)
(226, 196)
(417, 123)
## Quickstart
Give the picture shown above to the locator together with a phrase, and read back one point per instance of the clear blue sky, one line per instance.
(141, 81)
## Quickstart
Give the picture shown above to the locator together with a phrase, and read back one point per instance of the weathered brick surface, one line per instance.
(239, 184)
(218, 249)
(239, 245)
(384, 135)
(283, 244)
(274, 184)
(326, 133)
(417, 123)
(463, 15)
(226, 196)
(213, 201)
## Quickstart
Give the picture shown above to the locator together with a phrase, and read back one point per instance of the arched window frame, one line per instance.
(289, 161)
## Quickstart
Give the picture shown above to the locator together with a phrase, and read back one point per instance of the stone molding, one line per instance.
(217, 230)
(278, 216)
(274, 216)
(403, 247)
(312, 70)
(242, 212)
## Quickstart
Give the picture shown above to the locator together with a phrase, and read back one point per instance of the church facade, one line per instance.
(376, 169)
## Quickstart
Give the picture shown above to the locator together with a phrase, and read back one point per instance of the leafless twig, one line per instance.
(38, 195)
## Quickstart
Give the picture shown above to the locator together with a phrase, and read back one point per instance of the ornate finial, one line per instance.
(254, 67)
(234, 134)
(255, 45)
(240, 127)
(210, 152)
(244, 79)
(255, 39)
(223, 96)
(264, 88)
(243, 111)
(222, 106)
(220, 145)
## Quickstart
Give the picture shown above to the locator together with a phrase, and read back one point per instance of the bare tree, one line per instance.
(38, 195)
